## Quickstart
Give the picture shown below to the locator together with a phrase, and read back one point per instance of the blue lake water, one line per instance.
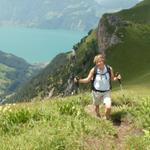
(37, 45)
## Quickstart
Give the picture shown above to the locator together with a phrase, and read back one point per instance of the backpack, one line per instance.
(94, 76)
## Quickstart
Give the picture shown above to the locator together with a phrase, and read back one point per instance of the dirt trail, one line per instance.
(123, 129)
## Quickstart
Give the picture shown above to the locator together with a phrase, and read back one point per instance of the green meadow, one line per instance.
(63, 123)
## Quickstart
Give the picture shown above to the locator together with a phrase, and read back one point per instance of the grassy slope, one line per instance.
(130, 58)
(4, 81)
(133, 54)
(58, 72)
(138, 14)
(62, 124)
(14, 72)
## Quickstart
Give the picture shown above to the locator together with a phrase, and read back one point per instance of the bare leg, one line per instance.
(97, 110)
(107, 102)
(107, 112)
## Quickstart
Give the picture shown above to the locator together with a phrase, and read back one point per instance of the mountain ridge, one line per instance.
(69, 14)
(122, 54)
(14, 72)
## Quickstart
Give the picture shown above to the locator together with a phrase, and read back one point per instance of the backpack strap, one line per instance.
(109, 71)
(94, 76)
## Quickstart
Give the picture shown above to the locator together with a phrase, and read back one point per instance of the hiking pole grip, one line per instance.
(116, 75)
(77, 83)
(119, 81)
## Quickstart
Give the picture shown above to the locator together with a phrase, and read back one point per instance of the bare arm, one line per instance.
(88, 78)
(113, 77)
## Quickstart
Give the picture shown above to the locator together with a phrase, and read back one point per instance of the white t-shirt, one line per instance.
(102, 79)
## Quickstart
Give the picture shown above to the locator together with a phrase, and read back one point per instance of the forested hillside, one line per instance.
(14, 72)
(124, 41)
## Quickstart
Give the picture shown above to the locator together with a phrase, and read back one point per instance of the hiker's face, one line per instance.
(100, 62)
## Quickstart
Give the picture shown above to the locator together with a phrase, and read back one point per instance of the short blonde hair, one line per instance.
(97, 57)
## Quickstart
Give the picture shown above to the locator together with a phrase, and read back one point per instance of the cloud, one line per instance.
(99, 1)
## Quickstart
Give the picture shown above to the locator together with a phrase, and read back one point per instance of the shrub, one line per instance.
(141, 112)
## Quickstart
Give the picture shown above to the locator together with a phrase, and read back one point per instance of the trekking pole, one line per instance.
(120, 83)
(77, 84)
(78, 91)
(119, 80)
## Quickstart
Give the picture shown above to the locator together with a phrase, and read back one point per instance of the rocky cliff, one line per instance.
(108, 29)
(123, 39)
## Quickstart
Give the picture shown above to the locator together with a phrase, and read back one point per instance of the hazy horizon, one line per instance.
(46, 27)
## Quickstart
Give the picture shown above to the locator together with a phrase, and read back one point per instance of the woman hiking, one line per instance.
(100, 75)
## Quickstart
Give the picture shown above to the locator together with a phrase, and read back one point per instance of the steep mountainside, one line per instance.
(56, 78)
(124, 37)
(67, 14)
(14, 71)
(125, 44)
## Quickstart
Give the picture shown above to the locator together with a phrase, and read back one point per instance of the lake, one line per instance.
(37, 45)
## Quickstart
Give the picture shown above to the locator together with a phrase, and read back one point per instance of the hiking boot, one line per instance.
(98, 115)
